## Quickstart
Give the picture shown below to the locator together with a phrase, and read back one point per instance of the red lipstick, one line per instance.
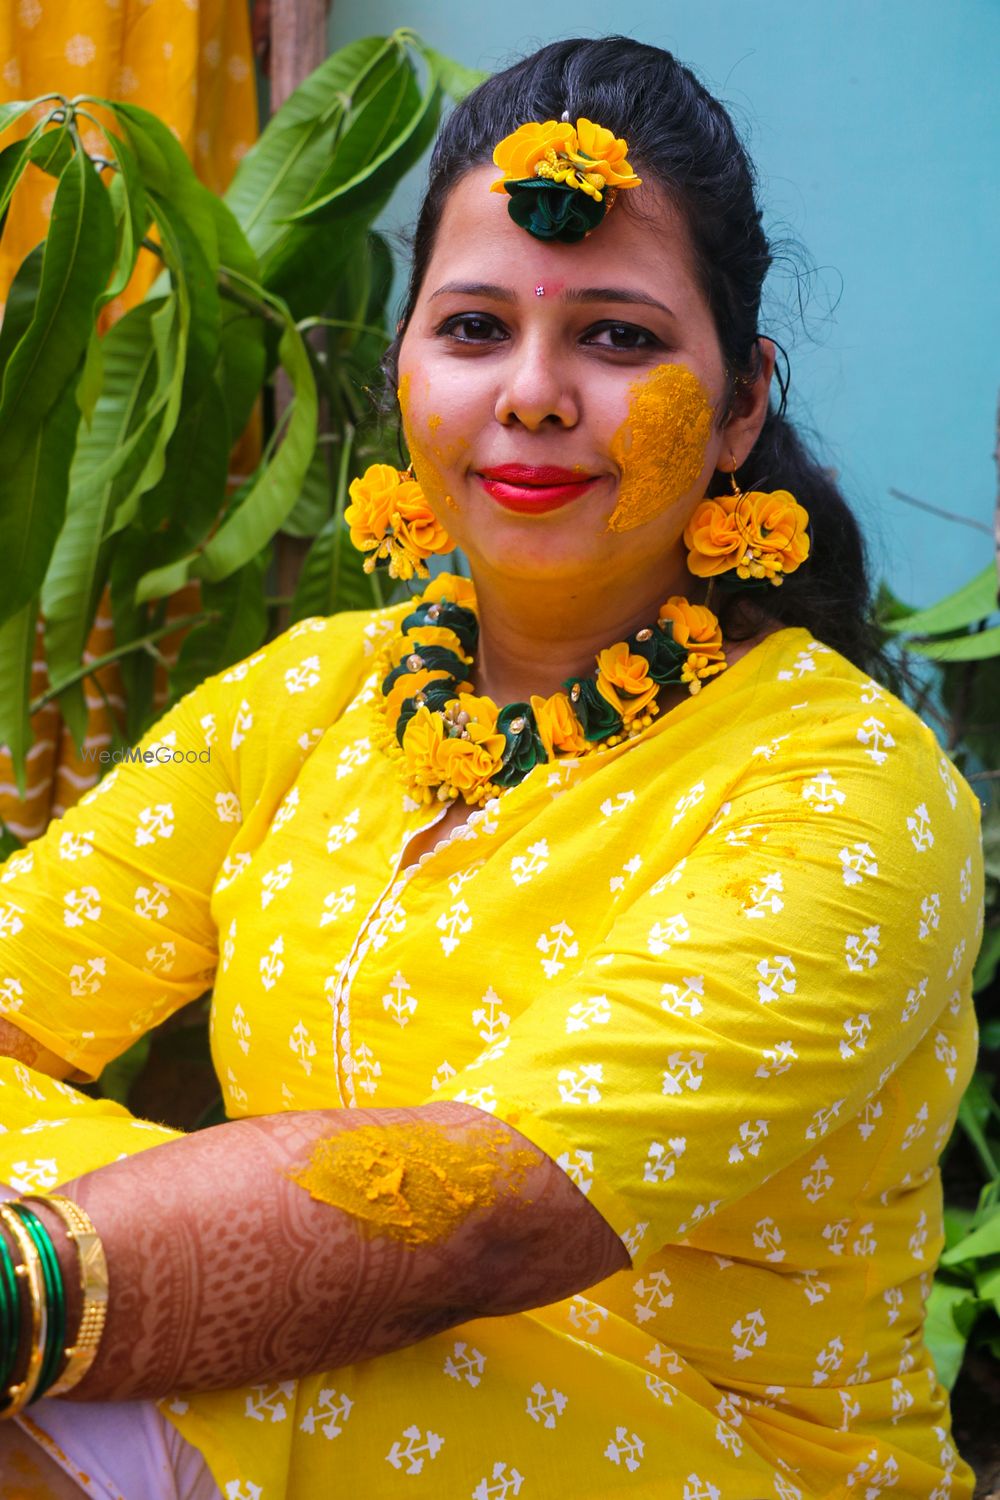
(533, 488)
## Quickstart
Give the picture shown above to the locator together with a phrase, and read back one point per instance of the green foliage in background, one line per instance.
(114, 449)
(954, 649)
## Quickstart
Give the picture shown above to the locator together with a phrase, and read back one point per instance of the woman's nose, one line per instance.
(535, 390)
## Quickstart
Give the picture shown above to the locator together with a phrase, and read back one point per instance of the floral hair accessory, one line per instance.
(561, 179)
(451, 742)
(390, 520)
(756, 536)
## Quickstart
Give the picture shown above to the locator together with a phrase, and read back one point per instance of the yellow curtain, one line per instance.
(190, 62)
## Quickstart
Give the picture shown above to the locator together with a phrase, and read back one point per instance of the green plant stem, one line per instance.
(142, 644)
(308, 323)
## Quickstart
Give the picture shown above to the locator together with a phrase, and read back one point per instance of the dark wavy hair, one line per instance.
(681, 137)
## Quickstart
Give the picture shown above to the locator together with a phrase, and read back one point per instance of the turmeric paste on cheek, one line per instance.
(660, 447)
(428, 458)
(413, 1183)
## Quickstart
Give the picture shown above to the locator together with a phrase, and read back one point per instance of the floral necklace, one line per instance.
(453, 743)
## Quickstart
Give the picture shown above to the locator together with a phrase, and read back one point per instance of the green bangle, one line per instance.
(10, 1315)
(55, 1295)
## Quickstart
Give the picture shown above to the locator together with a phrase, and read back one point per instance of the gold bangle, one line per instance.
(30, 1269)
(93, 1286)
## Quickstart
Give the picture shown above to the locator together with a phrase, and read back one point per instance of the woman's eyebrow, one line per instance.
(614, 294)
(578, 294)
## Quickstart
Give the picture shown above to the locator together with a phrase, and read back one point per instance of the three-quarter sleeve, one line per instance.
(106, 922)
(748, 1003)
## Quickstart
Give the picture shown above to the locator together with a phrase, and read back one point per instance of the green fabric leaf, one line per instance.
(974, 601)
(17, 651)
(239, 629)
(552, 211)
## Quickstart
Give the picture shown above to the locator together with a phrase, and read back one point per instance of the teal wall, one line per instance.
(875, 131)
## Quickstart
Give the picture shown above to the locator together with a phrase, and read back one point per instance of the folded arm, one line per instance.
(226, 1270)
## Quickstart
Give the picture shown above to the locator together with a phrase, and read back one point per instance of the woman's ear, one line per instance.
(749, 407)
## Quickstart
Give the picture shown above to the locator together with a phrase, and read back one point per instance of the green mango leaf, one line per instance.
(456, 79)
(9, 842)
(974, 601)
(21, 301)
(17, 652)
(345, 185)
(13, 160)
(75, 266)
(91, 377)
(988, 1283)
(192, 491)
(986, 967)
(941, 1334)
(249, 526)
(168, 175)
(238, 630)
(243, 361)
(138, 465)
(13, 110)
(982, 1241)
(131, 622)
(279, 172)
(128, 198)
(109, 456)
(51, 150)
(975, 647)
(311, 510)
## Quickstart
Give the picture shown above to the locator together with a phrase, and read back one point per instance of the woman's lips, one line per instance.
(534, 488)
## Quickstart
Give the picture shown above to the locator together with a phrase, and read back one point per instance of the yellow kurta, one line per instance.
(720, 973)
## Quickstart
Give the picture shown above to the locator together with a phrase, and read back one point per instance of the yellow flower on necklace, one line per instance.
(558, 727)
(621, 671)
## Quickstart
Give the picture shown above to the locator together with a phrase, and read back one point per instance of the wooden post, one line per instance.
(298, 46)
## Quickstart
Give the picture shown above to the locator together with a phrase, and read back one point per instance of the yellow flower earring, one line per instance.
(391, 521)
(759, 537)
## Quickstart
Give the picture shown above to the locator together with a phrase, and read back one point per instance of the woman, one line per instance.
(650, 1005)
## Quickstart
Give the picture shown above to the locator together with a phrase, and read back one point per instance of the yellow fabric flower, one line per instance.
(695, 627)
(421, 743)
(760, 535)
(414, 523)
(558, 727)
(588, 157)
(599, 150)
(518, 155)
(621, 671)
(450, 586)
(407, 687)
(422, 635)
(373, 498)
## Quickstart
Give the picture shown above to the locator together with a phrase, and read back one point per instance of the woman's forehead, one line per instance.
(477, 242)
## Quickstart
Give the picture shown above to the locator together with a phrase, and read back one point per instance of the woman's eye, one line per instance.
(621, 336)
(472, 328)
